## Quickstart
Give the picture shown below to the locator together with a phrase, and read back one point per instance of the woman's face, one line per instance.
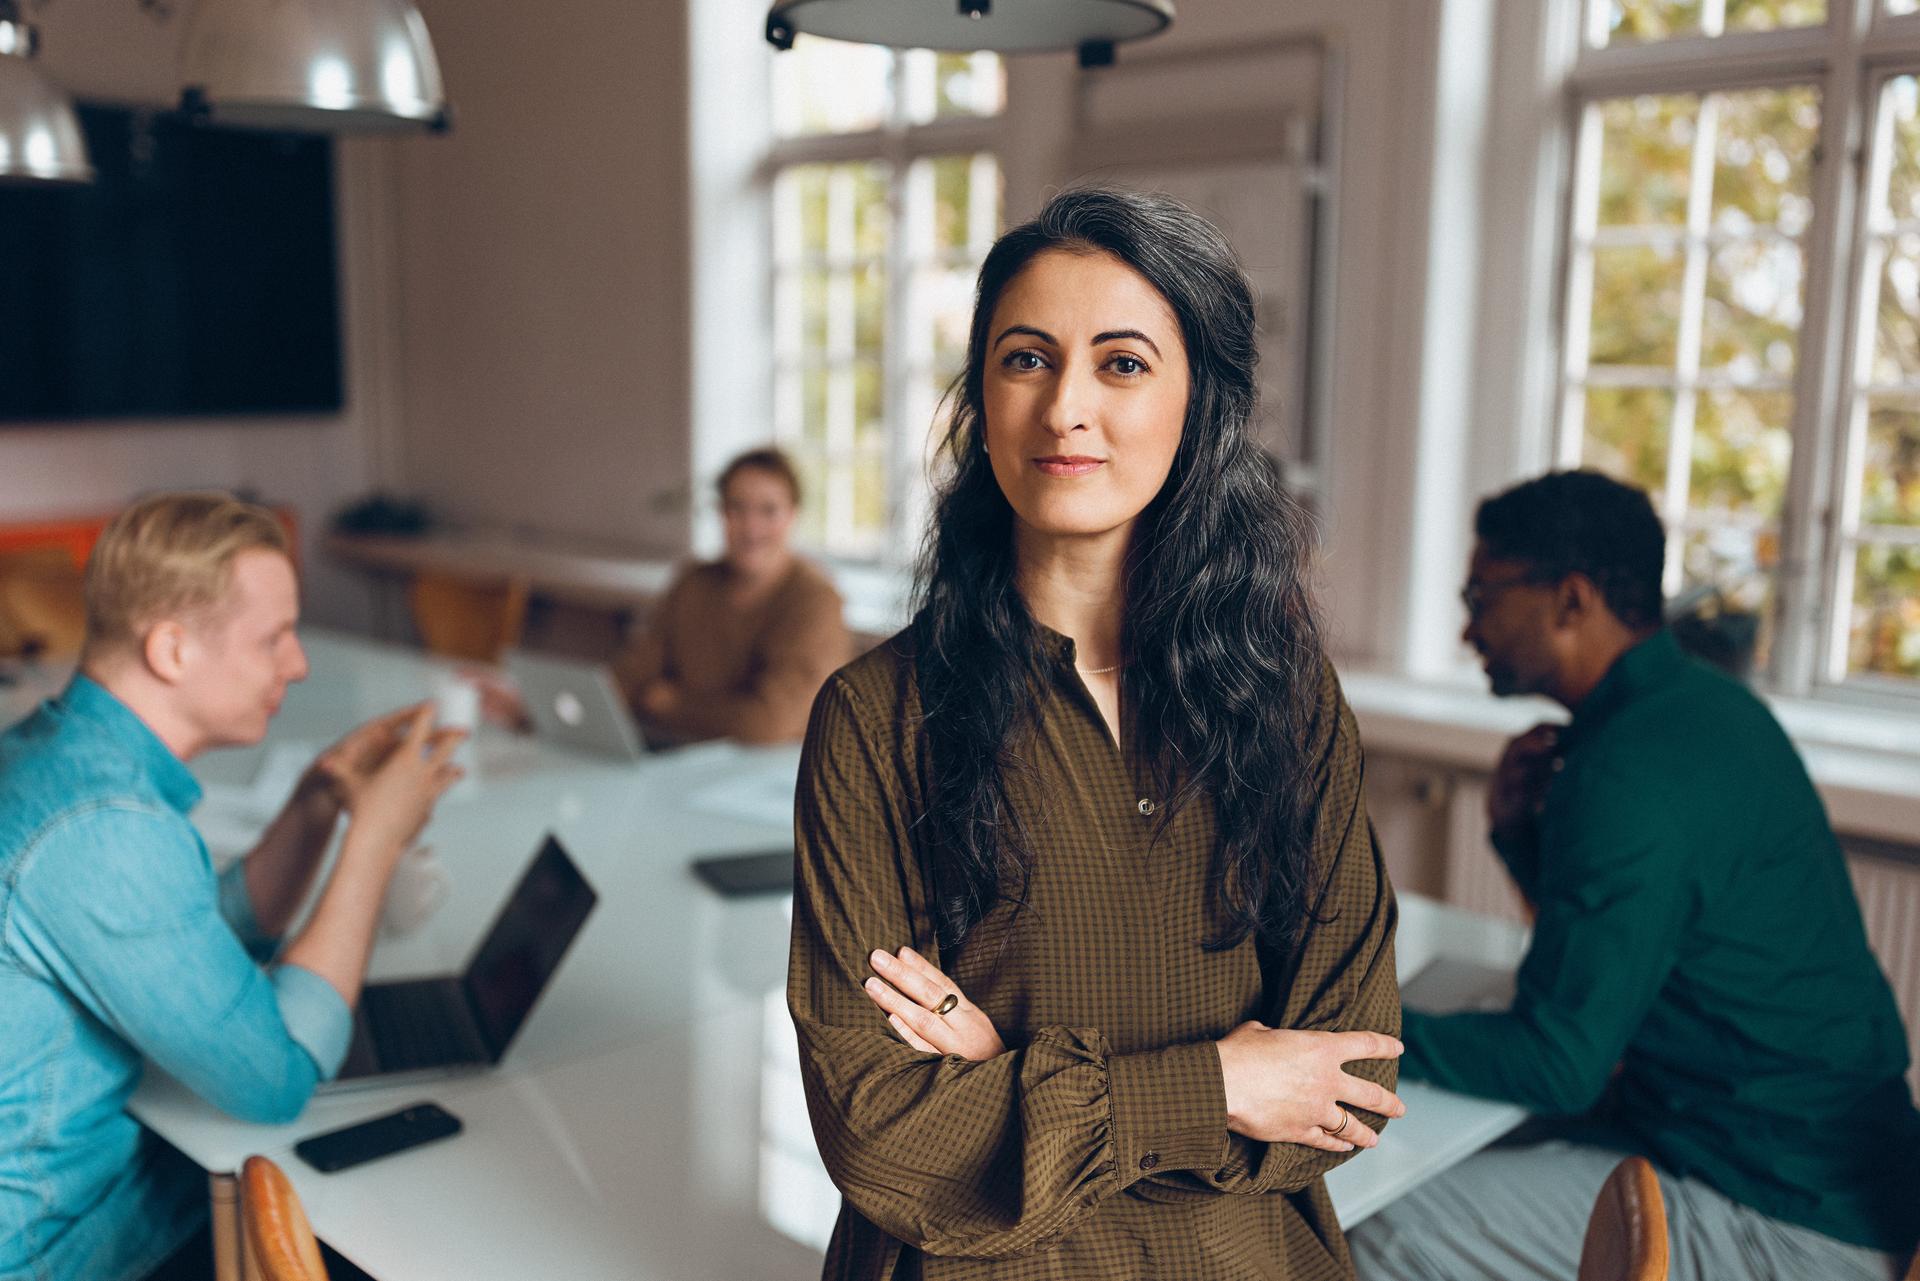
(1084, 392)
(757, 510)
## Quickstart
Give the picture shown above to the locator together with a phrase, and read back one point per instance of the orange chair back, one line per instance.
(1627, 1232)
(277, 1243)
(43, 607)
(462, 618)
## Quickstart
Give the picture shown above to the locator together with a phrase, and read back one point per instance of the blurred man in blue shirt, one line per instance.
(119, 944)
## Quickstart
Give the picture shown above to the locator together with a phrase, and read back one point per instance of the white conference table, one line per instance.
(649, 1120)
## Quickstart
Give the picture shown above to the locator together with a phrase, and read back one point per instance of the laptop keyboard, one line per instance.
(420, 1025)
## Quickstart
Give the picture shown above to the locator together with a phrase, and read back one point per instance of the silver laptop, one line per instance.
(450, 1022)
(576, 704)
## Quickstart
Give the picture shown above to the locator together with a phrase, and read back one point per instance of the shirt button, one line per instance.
(1150, 1160)
(1559, 763)
(1146, 806)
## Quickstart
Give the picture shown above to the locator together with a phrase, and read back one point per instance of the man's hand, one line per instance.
(393, 801)
(340, 774)
(1520, 781)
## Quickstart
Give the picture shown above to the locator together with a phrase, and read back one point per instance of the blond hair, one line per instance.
(170, 555)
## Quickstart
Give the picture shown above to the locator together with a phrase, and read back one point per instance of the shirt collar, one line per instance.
(169, 775)
(1058, 647)
(1647, 666)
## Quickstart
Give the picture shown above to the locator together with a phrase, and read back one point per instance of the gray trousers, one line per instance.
(1518, 1212)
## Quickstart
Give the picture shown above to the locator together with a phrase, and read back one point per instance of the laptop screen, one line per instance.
(524, 947)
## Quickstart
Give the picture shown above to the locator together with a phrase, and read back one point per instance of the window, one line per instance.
(1742, 317)
(886, 195)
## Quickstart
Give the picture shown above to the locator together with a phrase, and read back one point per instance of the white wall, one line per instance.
(543, 272)
(110, 49)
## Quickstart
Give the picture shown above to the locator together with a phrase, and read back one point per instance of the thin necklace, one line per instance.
(1099, 671)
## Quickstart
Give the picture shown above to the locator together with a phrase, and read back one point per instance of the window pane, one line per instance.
(1638, 20)
(1636, 305)
(1896, 350)
(1633, 20)
(1901, 102)
(1751, 324)
(830, 86)
(1763, 159)
(1738, 562)
(1771, 15)
(941, 86)
(1890, 484)
(1626, 434)
(1646, 152)
(1885, 637)
(1741, 444)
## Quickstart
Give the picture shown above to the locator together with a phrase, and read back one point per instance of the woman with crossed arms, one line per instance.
(1092, 955)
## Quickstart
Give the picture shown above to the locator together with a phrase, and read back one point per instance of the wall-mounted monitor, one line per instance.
(195, 276)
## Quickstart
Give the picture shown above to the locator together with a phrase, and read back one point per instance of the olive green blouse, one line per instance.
(1097, 1145)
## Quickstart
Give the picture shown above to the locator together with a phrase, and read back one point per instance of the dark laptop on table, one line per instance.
(468, 1021)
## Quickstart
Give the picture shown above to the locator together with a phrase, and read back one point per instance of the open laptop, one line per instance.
(576, 704)
(436, 1024)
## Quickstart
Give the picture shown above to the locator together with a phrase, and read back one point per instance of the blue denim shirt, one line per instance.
(118, 944)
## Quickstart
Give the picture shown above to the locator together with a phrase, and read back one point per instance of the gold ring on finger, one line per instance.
(948, 1004)
(1338, 1130)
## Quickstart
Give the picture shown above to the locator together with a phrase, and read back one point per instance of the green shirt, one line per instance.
(1699, 960)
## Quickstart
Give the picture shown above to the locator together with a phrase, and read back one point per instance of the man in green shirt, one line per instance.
(1699, 987)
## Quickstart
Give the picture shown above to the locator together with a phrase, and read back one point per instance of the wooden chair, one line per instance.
(43, 608)
(1627, 1232)
(468, 619)
(260, 1233)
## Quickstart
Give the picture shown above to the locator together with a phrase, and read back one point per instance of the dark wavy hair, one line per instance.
(1223, 657)
(1582, 522)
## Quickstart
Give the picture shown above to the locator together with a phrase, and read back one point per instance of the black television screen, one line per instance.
(195, 275)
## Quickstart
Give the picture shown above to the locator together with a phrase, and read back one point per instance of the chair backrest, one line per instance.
(464, 618)
(43, 608)
(1627, 1232)
(276, 1242)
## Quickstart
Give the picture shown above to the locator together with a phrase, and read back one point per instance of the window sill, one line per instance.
(1865, 763)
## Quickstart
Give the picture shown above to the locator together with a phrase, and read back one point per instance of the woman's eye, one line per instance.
(1128, 365)
(1025, 360)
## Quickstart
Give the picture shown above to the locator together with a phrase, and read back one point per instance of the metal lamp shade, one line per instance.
(1004, 26)
(39, 137)
(319, 66)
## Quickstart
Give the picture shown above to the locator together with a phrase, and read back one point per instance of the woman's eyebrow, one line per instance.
(1029, 330)
(1114, 335)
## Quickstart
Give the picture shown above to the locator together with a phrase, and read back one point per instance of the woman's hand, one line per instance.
(1287, 1086)
(910, 990)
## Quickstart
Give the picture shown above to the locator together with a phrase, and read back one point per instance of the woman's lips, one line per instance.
(1067, 464)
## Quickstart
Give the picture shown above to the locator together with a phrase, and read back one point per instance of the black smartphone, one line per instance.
(382, 1136)
(738, 875)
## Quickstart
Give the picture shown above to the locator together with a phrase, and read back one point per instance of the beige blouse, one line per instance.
(744, 673)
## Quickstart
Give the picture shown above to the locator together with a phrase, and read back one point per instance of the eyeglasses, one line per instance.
(1478, 596)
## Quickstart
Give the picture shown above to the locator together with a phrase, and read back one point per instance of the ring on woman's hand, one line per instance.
(947, 1004)
(1338, 1130)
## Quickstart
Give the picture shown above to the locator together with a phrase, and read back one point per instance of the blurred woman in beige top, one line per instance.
(738, 647)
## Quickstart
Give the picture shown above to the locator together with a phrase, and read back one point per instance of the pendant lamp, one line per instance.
(39, 136)
(318, 66)
(1003, 26)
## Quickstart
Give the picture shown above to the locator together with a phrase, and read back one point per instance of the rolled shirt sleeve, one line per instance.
(119, 904)
(236, 907)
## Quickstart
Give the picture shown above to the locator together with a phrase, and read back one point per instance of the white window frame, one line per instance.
(895, 144)
(1848, 59)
